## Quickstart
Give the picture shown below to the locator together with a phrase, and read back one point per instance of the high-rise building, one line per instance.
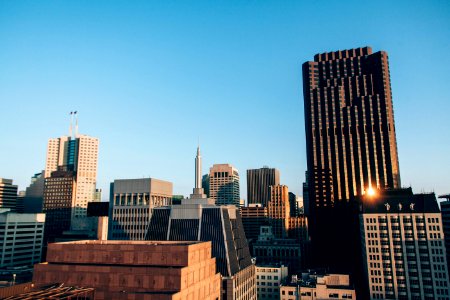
(80, 155)
(349, 121)
(198, 218)
(224, 184)
(279, 210)
(205, 184)
(59, 202)
(133, 201)
(259, 182)
(403, 246)
(21, 237)
(351, 148)
(445, 212)
(8, 194)
(133, 269)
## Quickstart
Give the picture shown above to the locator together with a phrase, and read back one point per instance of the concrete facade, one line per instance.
(403, 246)
(132, 203)
(21, 238)
(133, 269)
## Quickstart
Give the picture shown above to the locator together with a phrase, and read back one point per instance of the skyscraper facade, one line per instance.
(80, 155)
(279, 210)
(349, 121)
(259, 182)
(224, 184)
(132, 202)
(403, 246)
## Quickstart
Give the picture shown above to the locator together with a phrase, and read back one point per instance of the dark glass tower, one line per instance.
(258, 184)
(349, 121)
(351, 148)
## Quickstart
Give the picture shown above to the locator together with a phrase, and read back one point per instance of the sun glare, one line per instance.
(371, 192)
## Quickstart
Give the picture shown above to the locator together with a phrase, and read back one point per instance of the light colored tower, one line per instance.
(77, 154)
(198, 190)
(224, 184)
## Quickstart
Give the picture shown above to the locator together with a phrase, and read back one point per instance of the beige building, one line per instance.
(279, 210)
(268, 280)
(318, 287)
(403, 246)
(133, 269)
(224, 184)
(80, 155)
(133, 203)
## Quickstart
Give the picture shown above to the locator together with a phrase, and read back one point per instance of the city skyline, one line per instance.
(141, 108)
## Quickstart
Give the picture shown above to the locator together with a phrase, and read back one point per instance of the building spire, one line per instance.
(198, 190)
(71, 122)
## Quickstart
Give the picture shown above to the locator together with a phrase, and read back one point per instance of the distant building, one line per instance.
(20, 202)
(59, 203)
(21, 238)
(270, 249)
(224, 184)
(78, 153)
(268, 280)
(34, 194)
(205, 184)
(8, 194)
(176, 199)
(279, 210)
(403, 246)
(198, 218)
(253, 217)
(133, 269)
(317, 287)
(445, 212)
(132, 202)
(258, 184)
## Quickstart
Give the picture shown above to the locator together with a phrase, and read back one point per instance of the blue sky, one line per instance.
(149, 78)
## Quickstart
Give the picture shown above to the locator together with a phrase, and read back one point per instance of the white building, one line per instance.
(78, 154)
(268, 280)
(21, 237)
(403, 246)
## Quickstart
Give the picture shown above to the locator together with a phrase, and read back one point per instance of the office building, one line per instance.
(34, 194)
(351, 148)
(253, 217)
(268, 280)
(279, 210)
(78, 153)
(403, 246)
(224, 184)
(445, 212)
(312, 286)
(59, 202)
(198, 218)
(133, 201)
(205, 184)
(8, 194)
(56, 291)
(21, 237)
(349, 120)
(133, 269)
(259, 182)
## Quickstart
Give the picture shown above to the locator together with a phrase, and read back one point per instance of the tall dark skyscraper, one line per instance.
(349, 121)
(351, 149)
(259, 182)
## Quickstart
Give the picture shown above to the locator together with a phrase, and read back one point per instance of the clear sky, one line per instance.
(149, 78)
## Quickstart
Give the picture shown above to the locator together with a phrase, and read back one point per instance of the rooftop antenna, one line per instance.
(76, 124)
(71, 121)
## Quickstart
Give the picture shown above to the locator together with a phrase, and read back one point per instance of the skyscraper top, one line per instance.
(342, 54)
